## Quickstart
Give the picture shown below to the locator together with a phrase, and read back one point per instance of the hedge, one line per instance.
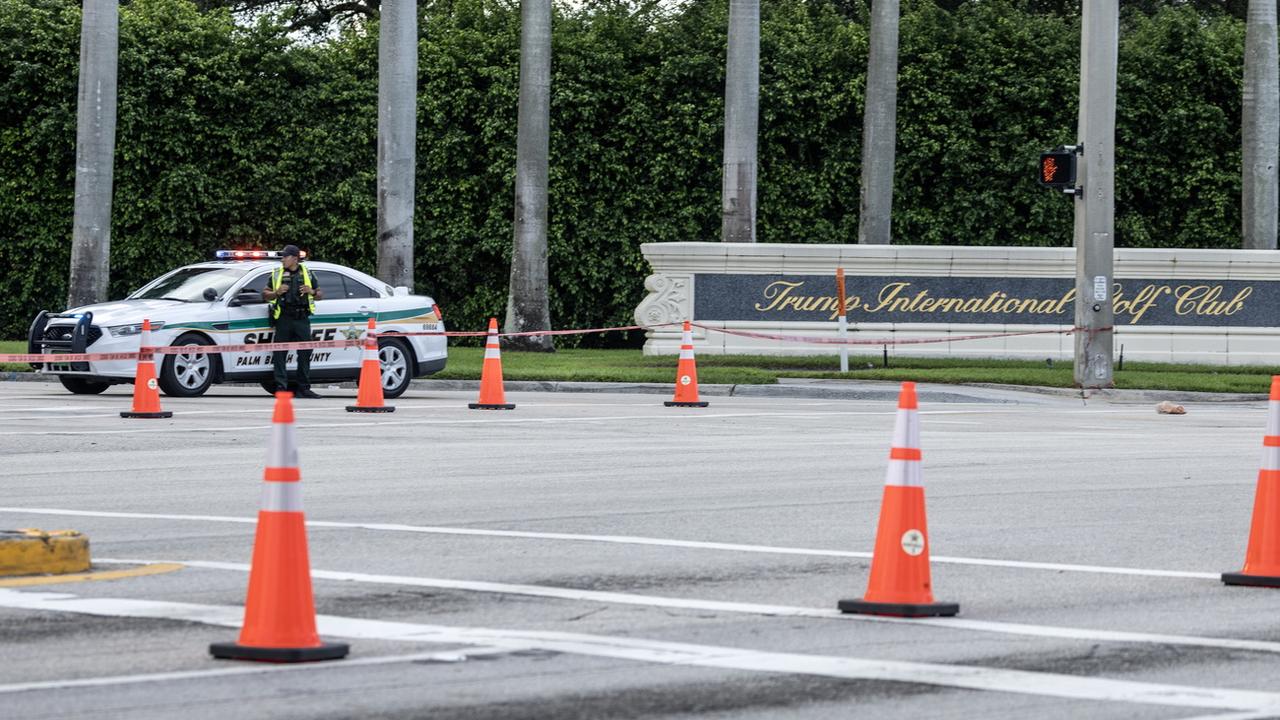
(234, 134)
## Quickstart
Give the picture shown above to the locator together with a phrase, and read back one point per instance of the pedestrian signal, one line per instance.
(1058, 169)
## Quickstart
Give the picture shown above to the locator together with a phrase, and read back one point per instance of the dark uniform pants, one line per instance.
(292, 329)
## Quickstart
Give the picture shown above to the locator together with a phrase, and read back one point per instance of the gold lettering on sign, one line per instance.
(899, 296)
(1206, 300)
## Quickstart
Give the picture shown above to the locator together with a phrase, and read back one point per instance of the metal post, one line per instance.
(1095, 204)
(843, 332)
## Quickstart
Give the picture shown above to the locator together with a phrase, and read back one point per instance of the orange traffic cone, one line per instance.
(1262, 558)
(686, 374)
(492, 396)
(279, 613)
(146, 395)
(900, 566)
(369, 396)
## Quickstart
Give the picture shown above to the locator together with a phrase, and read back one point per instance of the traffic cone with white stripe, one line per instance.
(369, 395)
(492, 396)
(279, 612)
(1262, 557)
(900, 584)
(146, 393)
(686, 374)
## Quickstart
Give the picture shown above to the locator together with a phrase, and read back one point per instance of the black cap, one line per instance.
(290, 250)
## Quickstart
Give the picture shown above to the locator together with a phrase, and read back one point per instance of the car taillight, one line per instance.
(435, 307)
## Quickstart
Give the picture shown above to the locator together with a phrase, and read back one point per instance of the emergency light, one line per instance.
(251, 255)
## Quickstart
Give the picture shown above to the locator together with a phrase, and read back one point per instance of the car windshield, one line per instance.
(189, 283)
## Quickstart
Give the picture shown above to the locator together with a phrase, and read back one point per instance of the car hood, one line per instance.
(127, 312)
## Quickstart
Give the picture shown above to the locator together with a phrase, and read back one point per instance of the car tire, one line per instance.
(82, 386)
(397, 367)
(188, 375)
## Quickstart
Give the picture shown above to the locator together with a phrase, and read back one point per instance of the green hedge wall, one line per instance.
(233, 134)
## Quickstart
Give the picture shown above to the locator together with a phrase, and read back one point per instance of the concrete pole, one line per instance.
(879, 126)
(741, 123)
(1260, 128)
(397, 137)
(95, 153)
(1095, 207)
(528, 297)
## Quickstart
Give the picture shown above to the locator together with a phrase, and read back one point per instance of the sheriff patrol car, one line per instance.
(220, 303)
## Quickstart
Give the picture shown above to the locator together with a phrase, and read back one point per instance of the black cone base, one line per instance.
(672, 403)
(491, 406)
(1250, 580)
(236, 651)
(130, 414)
(863, 607)
(358, 408)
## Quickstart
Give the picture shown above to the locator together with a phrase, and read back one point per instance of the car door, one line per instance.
(248, 324)
(342, 312)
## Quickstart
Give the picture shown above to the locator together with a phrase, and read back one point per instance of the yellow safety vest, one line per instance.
(277, 277)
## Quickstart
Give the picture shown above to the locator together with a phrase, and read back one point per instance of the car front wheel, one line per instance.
(188, 375)
(397, 367)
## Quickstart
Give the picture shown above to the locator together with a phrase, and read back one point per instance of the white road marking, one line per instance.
(559, 593)
(443, 656)
(631, 540)
(1247, 715)
(491, 419)
(63, 408)
(970, 677)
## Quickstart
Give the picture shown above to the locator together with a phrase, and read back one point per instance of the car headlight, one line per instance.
(126, 330)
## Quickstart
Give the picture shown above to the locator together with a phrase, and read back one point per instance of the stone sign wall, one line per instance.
(1171, 305)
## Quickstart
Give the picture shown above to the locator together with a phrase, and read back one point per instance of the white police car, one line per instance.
(220, 303)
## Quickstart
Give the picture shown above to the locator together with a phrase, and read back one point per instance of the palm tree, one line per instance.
(397, 134)
(879, 118)
(528, 305)
(95, 151)
(741, 123)
(1260, 128)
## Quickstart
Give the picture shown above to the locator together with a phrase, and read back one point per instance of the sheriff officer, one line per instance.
(291, 300)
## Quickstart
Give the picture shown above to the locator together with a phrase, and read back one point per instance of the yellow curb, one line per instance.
(142, 571)
(34, 552)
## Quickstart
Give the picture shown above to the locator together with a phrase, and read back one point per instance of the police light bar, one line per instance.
(250, 255)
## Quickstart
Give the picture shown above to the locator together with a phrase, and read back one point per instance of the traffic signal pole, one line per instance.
(1095, 201)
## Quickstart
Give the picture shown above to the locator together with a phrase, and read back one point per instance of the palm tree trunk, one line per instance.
(1260, 128)
(741, 123)
(528, 305)
(879, 119)
(397, 126)
(95, 152)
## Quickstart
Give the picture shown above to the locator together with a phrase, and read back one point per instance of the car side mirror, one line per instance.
(210, 294)
(247, 297)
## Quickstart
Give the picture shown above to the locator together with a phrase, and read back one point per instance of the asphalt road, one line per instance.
(601, 556)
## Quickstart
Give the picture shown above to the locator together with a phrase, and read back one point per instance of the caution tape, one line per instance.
(816, 340)
(66, 357)
(257, 347)
(62, 358)
(527, 333)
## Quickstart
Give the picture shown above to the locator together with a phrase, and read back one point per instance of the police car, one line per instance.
(220, 303)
